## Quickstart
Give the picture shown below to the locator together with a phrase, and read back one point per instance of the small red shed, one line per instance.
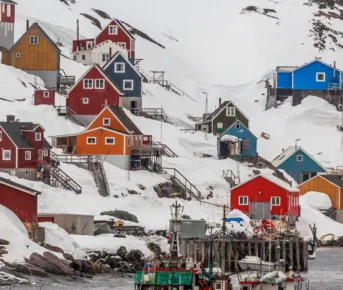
(44, 97)
(265, 196)
(20, 199)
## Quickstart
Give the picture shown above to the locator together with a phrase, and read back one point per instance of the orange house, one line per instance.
(112, 135)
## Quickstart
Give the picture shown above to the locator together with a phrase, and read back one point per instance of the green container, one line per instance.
(165, 278)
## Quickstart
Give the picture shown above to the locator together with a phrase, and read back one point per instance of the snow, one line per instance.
(58, 237)
(316, 199)
(229, 138)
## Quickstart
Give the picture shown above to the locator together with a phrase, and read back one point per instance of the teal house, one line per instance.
(298, 163)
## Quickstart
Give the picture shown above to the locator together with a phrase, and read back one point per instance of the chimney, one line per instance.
(77, 35)
(10, 118)
(220, 102)
(27, 24)
(105, 102)
(110, 52)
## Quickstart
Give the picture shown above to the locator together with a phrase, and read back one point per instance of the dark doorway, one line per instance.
(133, 106)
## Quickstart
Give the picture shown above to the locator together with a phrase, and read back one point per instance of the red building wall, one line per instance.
(43, 219)
(82, 43)
(39, 98)
(24, 205)
(97, 97)
(6, 144)
(261, 190)
(3, 11)
(120, 37)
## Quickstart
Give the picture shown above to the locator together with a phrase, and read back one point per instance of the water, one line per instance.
(325, 274)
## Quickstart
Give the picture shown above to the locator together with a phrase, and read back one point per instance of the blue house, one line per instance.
(122, 72)
(237, 141)
(298, 163)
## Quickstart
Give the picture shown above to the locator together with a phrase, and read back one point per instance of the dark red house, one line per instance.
(114, 31)
(265, 196)
(92, 92)
(23, 148)
(44, 97)
(20, 199)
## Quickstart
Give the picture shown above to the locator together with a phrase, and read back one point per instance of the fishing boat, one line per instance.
(256, 264)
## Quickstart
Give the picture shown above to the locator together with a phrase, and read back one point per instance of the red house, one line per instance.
(265, 196)
(114, 31)
(92, 92)
(7, 21)
(23, 148)
(44, 97)
(20, 199)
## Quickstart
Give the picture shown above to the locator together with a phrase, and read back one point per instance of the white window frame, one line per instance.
(89, 83)
(8, 10)
(105, 57)
(89, 45)
(0, 135)
(29, 155)
(220, 125)
(105, 119)
(238, 126)
(115, 67)
(301, 159)
(125, 81)
(275, 201)
(320, 73)
(112, 138)
(38, 134)
(46, 94)
(91, 138)
(101, 81)
(204, 127)
(116, 30)
(45, 152)
(230, 111)
(18, 54)
(244, 201)
(85, 101)
(34, 40)
(4, 153)
(83, 57)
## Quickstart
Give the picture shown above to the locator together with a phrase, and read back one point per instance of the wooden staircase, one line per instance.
(56, 177)
(166, 151)
(177, 177)
(152, 113)
(231, 178)
(92, 163)
(77, 119)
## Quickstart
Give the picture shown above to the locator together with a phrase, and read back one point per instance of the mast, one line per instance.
(176, 212)
(222, 250)
(210, 267)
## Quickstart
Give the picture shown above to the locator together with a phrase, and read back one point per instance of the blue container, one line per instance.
(236, 219)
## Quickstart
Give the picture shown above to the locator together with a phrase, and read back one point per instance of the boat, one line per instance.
(254, 263)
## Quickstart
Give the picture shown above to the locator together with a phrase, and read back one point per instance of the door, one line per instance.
(260, 210)
(40, 154)
(305, 176)
(133, 106)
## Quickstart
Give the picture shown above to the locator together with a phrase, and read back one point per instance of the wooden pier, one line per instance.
(293, 250)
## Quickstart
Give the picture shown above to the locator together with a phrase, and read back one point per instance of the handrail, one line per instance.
(230, 175)
(105, 178)
(181, 91)
(166, 149)
(152, 111)
(77, 118)
(75, 158)
(191, 185)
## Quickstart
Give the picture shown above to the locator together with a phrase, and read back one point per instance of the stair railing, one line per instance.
(229, 175)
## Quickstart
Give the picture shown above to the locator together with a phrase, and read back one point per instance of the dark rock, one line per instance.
(28, 269)
(154, 248)
(68, 257)
(4, 242)
(87, 267)
(50, 263)
(112, 262)
(133, 192)
(3, 252)
(122, 252)
(94, 21)
(102, 228)
(53, 248)
(123, 215)
(77, 265)
(135, 256)
(101, 13)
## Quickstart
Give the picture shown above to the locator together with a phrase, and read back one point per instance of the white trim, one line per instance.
(101, 71)
(229, 113)
(85, 101)
(238, 126)
(0, 135)
(40, 136)
(18, 188)
(320, 73)
(118, 53)
(18, 54)
(34, 129)
(33, 36)
(113, 138)
(44, 94)
(87, 138)
(16, 157)
(277, 198)
(119, 71)
(205, 127)
(3, 154)
(243, 196)
(109, 29)
(117, 22)
(300, 159)
(87, 131)
(241, 124)
(103, 121)
(124, 144)
(322, 62)
(128, 81)
(221, 125)
(90, 82)
(29, 155)
(46, 151)
(100, 87)
(319, 175)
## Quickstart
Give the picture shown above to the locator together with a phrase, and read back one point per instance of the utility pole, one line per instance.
(206, 111)
(222, 250)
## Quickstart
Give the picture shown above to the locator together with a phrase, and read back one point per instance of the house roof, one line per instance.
(125, 120)
(8, 1)
(18, 186)
(91, 130)
(286, 68)
(272, 179)
(290, 151)
(118, 53)
(217, 111)
(13, 131)
(43, 33)
(318, 60)
(129, 34)
(335, 179)
(222, 134)
(105, 75)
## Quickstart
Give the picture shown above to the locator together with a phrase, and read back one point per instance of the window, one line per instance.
(38, 136)
(243, 200)
(8, 10)
(100, 84)
(113, 29)
(122, 44)
(46, 94)
(119, 67)
(27, 155)
(320, 77)
(275, 200)
(83, 57)
(218, 286)
(85, 101)
(0, 136)
(109, 141)
(238, 126)
(230, 111)
(88, 84)
(89, 45)
(17, 54)
(6, 154)
(74, 57)
(105, 57)
(91, 140)
(128, 85)
(46, 153)
(106, 121)
(300, 158)
(33, 39)
(220, 125)
(245, 145)
(204, 128)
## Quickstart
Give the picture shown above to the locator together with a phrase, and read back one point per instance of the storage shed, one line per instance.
(76, 224)
(44, 97)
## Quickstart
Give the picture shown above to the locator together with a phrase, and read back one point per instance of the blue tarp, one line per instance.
(236, 219)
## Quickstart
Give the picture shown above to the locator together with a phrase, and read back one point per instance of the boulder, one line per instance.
(102, 228)
(4, 242)
(135, 256)
(53, 248)
(28, 269)
(3, 252)
(87, 267)
(122, 252)
(68, 257)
